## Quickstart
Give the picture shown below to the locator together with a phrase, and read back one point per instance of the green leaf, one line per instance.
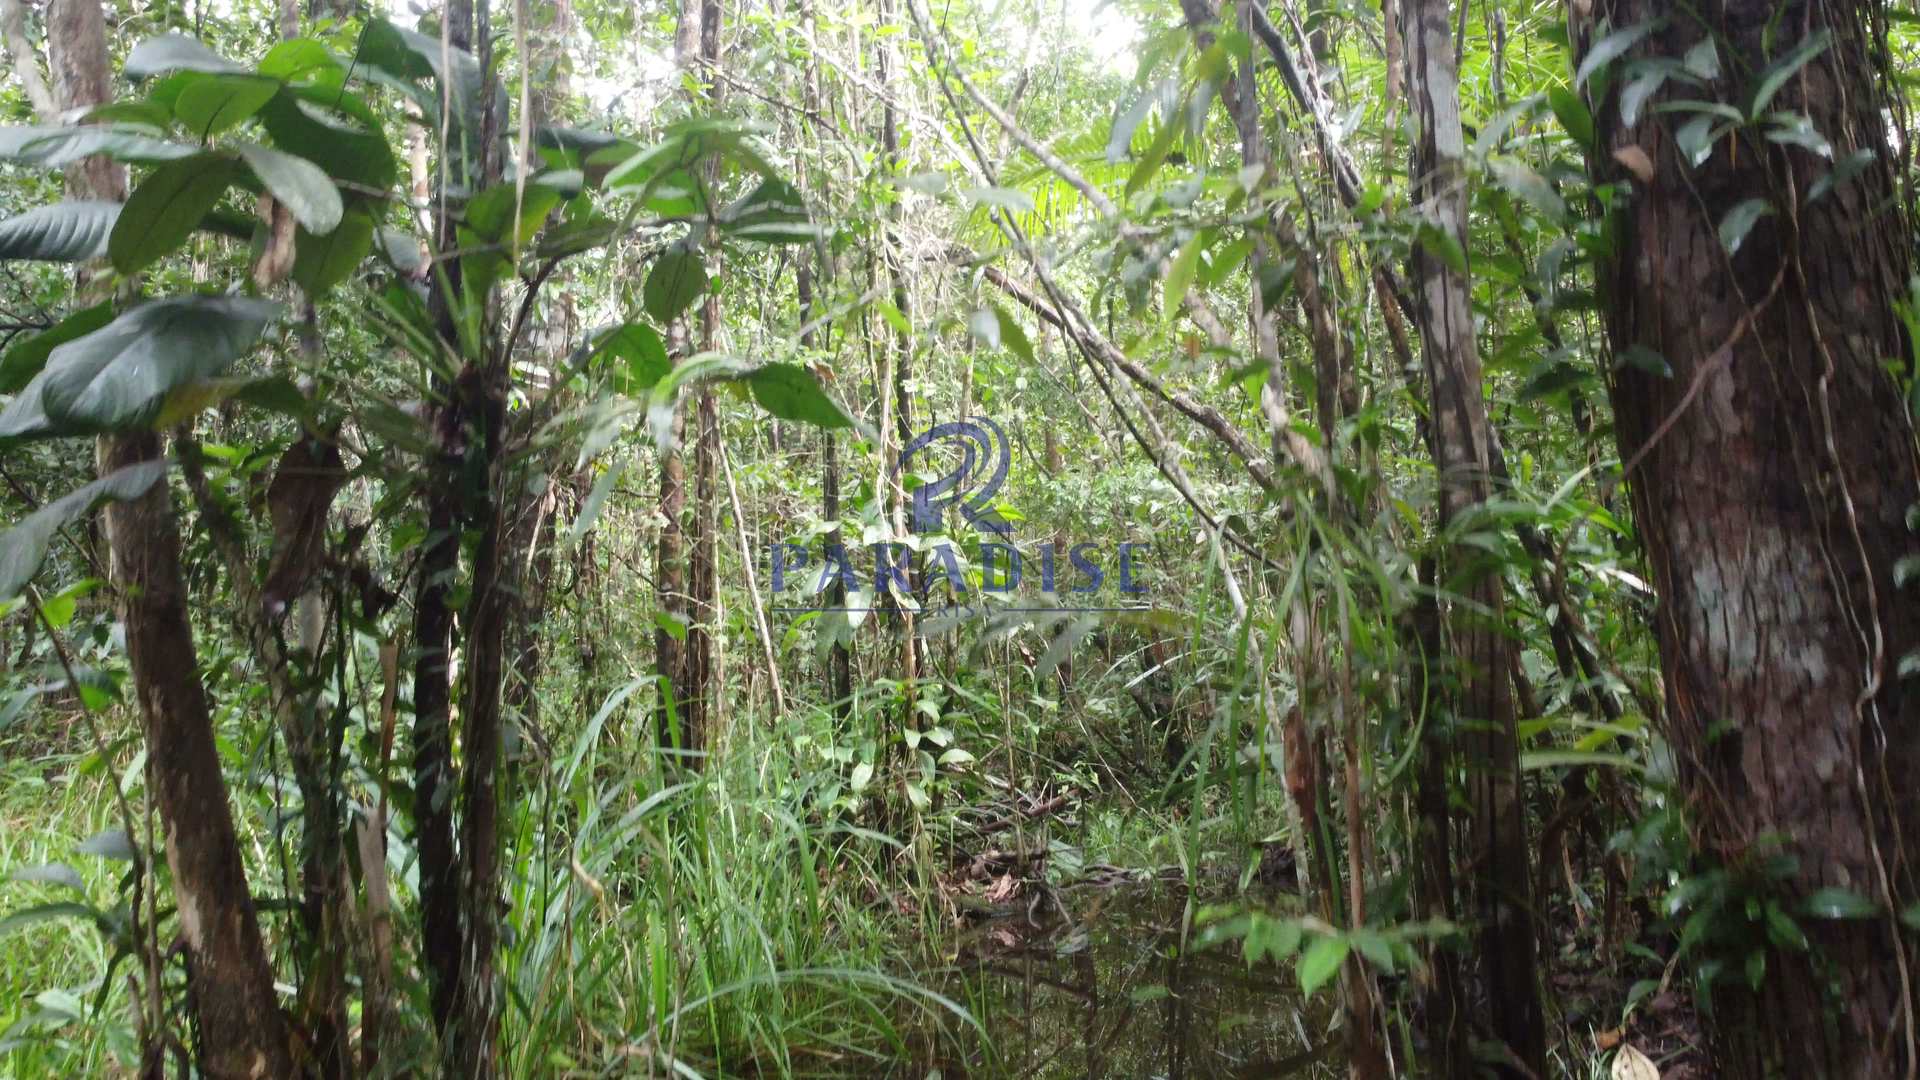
(1849, 167)
(321, 262)
(1180, 272)
(297, 184)
(109, 844)
(166, 208)
(1321, 961)
(1012, 335)
(21, 362)
(773, 213)
(1739, 222)
(71, 231)
(58, 147)
(1637, 92)
(1548, 759)
(1442, 244)
(23, 547)
(641, 354)
(1703, 60)
(1696, 137)
(1001, 197)
(1610, 48)
(1523, 183)
(676, 280)
(174, 52)
(1644, 359)
(212, 104)
(295, 57)
(50, 874)
(1836, 903)
(1573, 114)
(118, 377)
(334, 130)
(1120, 137)
(791, 392)
(1784, 68)
(490, 214)
(39, 913)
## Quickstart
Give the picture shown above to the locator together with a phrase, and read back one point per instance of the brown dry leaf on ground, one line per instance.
(1631, 1064)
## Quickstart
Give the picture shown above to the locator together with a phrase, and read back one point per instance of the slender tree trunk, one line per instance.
(1771, 476)
(230, 980)
(1462, 442)
(26, 65)
(434, 778)
(888, 72)
(702, 564)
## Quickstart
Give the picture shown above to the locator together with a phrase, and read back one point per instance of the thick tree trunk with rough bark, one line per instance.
(1482, 654)
(1771, 475)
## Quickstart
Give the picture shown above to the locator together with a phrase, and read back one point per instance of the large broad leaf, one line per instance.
(23, 547)
(174, 52)
(166, 208)
(211, 104)
(334, 130)
(23, 360)
(118, 377)
(676, 280)
(491, 213)
(299, 185)
(322, 261)
(58, 147)
(71, 231)
(773, 213)
(640, 354)
(791, 392)
(295, 57)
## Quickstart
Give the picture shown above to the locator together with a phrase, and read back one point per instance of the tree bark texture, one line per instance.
(1771, 476)
(1482, 654)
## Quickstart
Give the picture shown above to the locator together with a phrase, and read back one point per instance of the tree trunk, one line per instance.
(434, 778)
(1770, 476)
(1482, 705)
(230, 982)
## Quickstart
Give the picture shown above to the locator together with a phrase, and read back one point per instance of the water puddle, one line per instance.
(1107, 990)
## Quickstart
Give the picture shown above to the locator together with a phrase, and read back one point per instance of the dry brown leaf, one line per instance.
(1636, 161)
(1631, 1064)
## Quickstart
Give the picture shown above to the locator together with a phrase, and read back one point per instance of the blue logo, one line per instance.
(960, 498)
(985, 453)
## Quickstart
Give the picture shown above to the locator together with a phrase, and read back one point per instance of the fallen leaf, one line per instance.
(1631, 1064)
(1636, 161)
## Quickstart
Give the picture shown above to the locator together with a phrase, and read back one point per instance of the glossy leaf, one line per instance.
(118, 377)
(24, 359)
(323, 261)
(791, 392)
(174, 52)
(298, 184)
(58, 147)
(215, 103)
(166, 207)
(72, 231)
(23, 547)
(675, 282)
